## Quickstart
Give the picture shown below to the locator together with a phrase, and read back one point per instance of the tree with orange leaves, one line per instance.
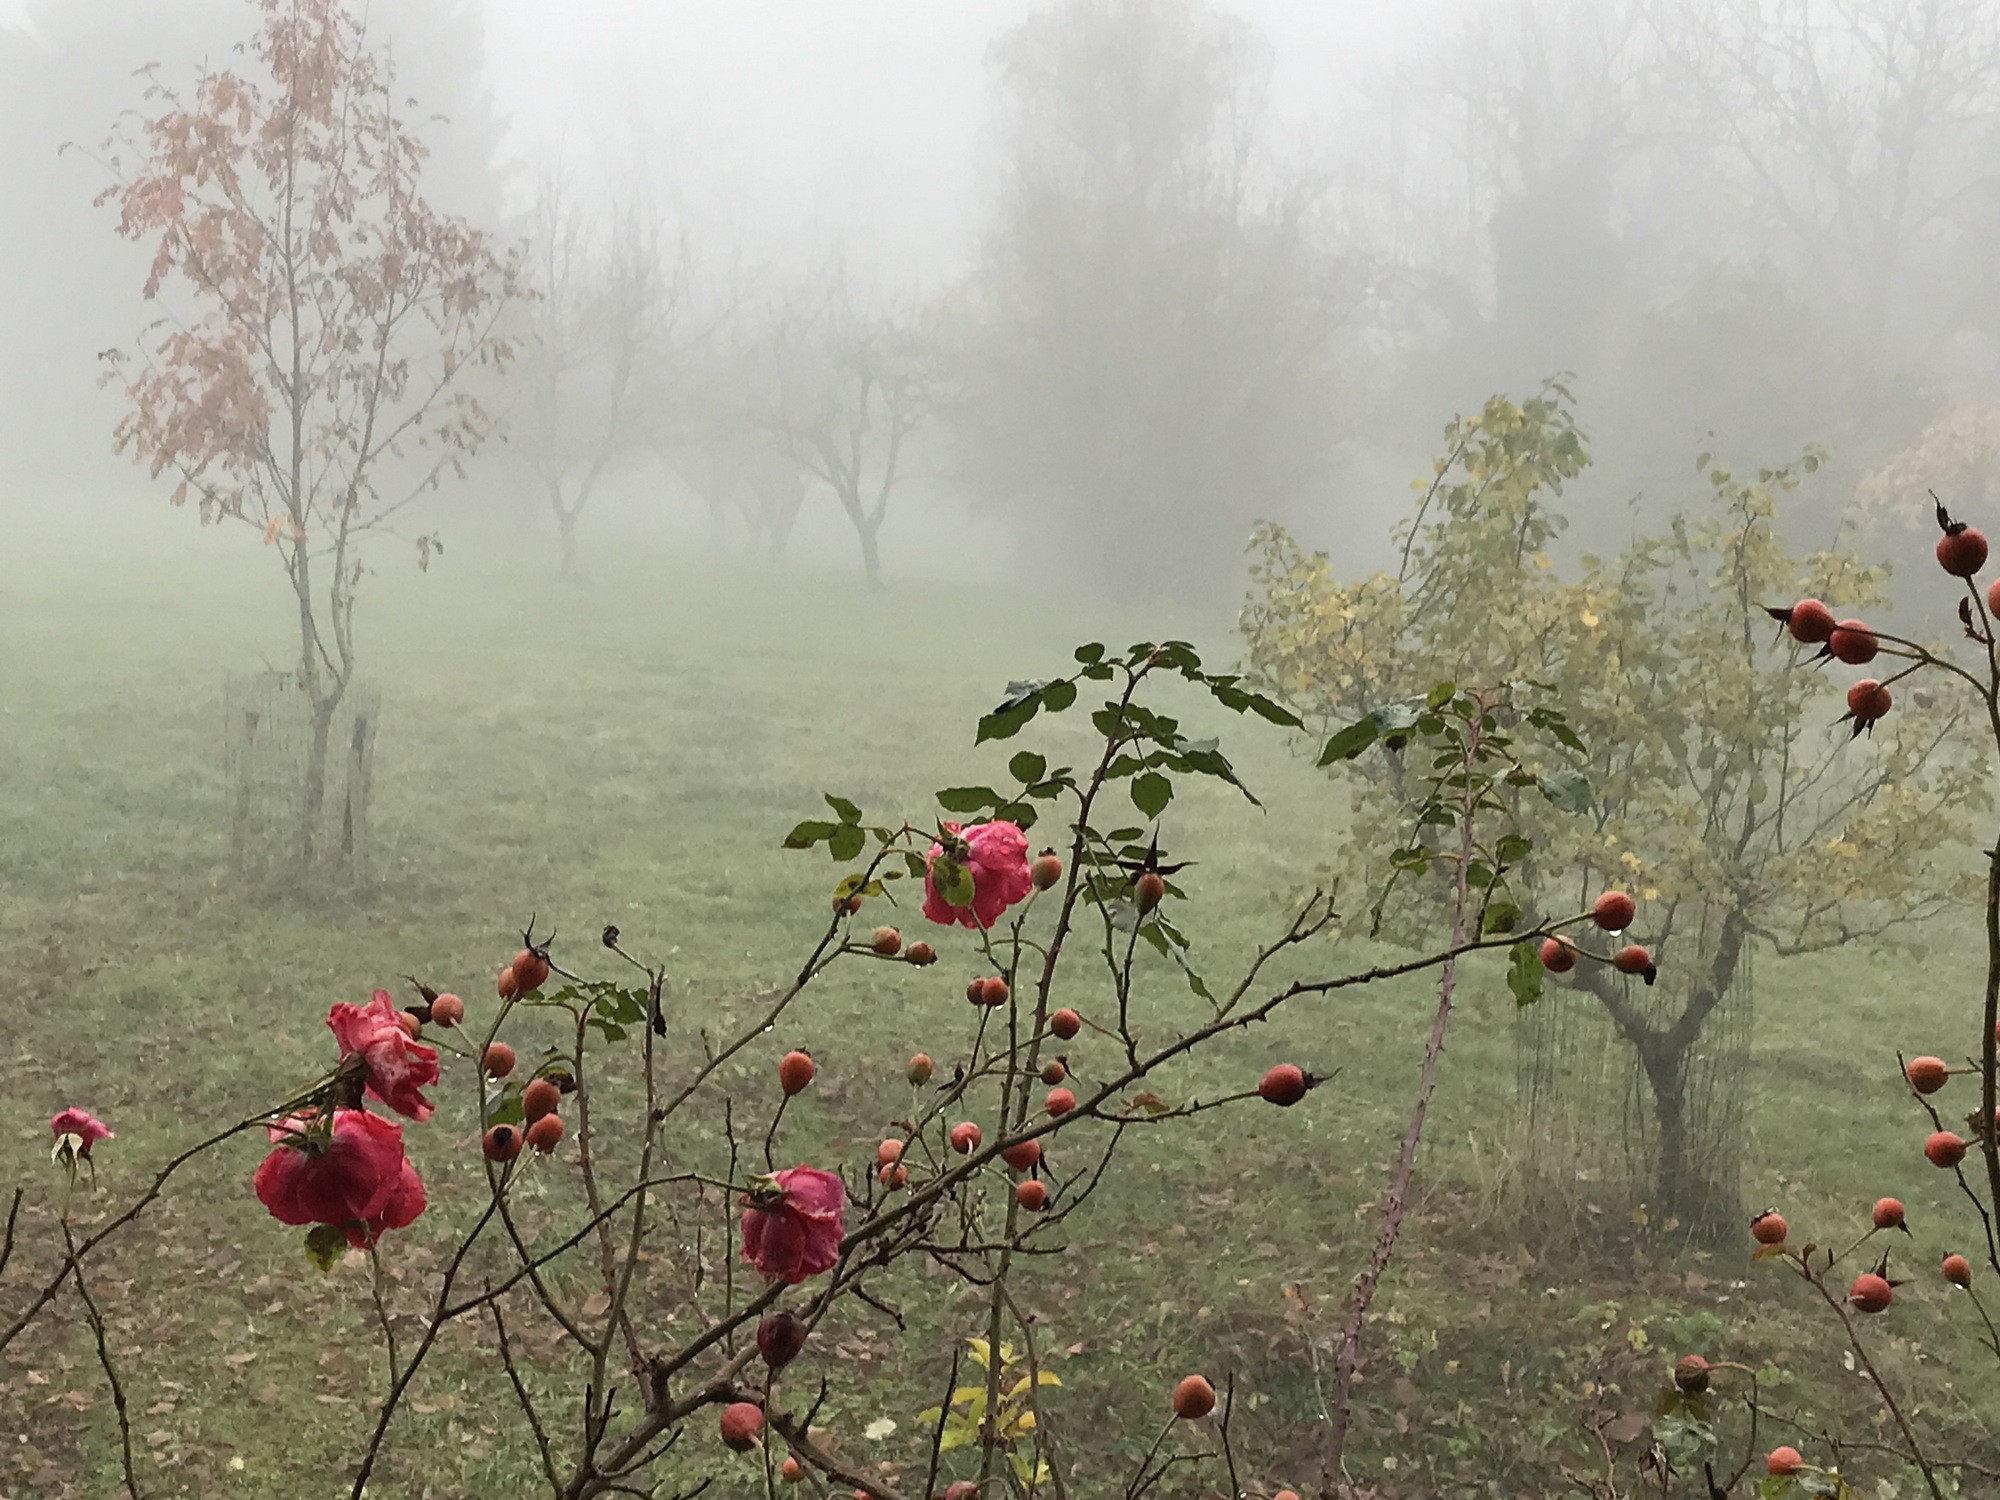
(324, 329)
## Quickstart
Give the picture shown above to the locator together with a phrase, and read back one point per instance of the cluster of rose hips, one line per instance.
(541, 1125)
(1613, 911)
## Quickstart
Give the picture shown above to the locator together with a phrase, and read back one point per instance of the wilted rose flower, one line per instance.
(996, 859)
(793, 1223)
(355, 1176)
(397, 1067)
(82, 1124)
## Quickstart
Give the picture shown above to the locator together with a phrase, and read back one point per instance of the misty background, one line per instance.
(1143, 275)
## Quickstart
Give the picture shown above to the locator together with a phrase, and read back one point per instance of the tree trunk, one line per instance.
(566, 535)
(871, 555)
(312, 801)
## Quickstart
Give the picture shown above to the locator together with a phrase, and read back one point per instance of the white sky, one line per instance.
(809, 123)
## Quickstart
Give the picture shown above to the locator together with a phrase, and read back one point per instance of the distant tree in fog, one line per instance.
(320, 322)
(843, 390)
(606, 304)
(1151, 361)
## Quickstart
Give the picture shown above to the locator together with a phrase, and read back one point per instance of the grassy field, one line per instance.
(633, 752)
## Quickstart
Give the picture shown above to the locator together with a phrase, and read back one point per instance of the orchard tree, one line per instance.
(314, 369)
(844, 391)
(1719, 788)
(1154, 324)
(606, 304)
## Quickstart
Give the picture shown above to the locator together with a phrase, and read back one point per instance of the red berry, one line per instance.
(887, 941)
(1870, 1293)
(1869, 702)
(919, 1069)
(1022, 1155)
(1194, 1397)
(993, 992)
(1811, 622)
(920, 954)
(1558, 955)
(780, 1338)
(1691, 1374)
(1993, 597)
(965, 1138)
(531, 971)
(502, 1143)
(742, 1421)
(1783, 1461)
(1962, 553)
(795, 1073)
(791, 1470)
(846, 906)
(1945, 1149)
(1286, 1495)
(1150, 890)
(1065, 1023)
(1031, 1195)
(961, 1489)
(540, 1097)
(1889, 1213)
(1053, 1071)
(410, 1024)
(1285, 1084)
(1060, 1101)
(1046, 870)
(1613, 911)
(1632, 959)
(447, 1010)
(506, 984)
(1769, 1229)
(1927, 1074)
(1957, 1270)
(888, 1151)
(499, 1060)
(546, 1133)
(893, 1176)
(1853, 642)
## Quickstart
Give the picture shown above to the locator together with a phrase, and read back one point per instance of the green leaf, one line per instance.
(326, 1244)
(807, 834)
(967, 799)
(1091, 655)
(1501, 916)
(1512, 848)
(1151, 793)
(1351, 741)
(1524, 972)
(847, 811)
(953, 881)
(1440, 695)
(1059, 695)
(1567, 790)
(1027, 767)
(848, 840)
(1023, 701)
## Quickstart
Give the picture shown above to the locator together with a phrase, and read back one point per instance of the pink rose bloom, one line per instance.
(793, 1223)
(84, 1125)
(357, 1178)
(998, 862)
(397, 1067)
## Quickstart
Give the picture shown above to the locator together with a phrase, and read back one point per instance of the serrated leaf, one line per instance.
(326, 1244)
(809, 833)
(1151, 793)
(1524, 973)
(1567, 790)
(1351, 741)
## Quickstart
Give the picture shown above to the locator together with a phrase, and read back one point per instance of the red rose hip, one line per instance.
(1810, 622)
(1946, 1149)
(1286, 1084)
(1962, 553)
(1870, 1293)
(540, 1097)
(1957, 1270)
(1558, 955)
(1927, 1074)
(1889, 1213)
(1065, 1024)
(795, 1073)
(1031, 1195)
(546, 1133)
(1853, 642)
(498, 1060)
(1769, 1229)
(1613, 911)
(1784, 1461)
(1194, 1398)
(965, 1138)
(742, 1422)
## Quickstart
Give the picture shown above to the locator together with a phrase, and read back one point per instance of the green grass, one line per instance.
(632, 752)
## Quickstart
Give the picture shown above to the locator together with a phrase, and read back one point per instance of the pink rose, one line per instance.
(397, 1067)
(793, 1223)
(356, 1177)
(997, 860)
(84, 1125)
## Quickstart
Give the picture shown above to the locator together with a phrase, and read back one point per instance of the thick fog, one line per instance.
(1205, 264)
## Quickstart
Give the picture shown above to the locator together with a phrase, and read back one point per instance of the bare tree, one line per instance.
(845, 388)
(609, 302)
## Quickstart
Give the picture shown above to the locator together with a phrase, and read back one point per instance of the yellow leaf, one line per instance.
(271, 529)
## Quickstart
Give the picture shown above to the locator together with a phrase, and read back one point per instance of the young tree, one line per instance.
(606, 303)
(1719, 790)
(844, 391)
(312, 374)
